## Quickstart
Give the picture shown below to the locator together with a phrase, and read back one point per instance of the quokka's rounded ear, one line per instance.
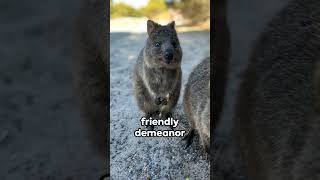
(172, 24)
(151, 26)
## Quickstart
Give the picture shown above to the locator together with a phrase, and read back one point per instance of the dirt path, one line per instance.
(155, 157)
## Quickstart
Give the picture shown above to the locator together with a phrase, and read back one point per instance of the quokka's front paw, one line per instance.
(165, 101)
(161, 100)
(150, 127)
(158, 101)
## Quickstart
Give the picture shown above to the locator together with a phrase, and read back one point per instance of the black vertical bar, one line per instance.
(220, 53)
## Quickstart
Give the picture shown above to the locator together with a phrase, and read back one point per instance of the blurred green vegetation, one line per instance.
(153, 8)
(195, 10)
(123, 10)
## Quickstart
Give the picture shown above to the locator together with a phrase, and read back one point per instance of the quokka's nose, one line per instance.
(168, 55)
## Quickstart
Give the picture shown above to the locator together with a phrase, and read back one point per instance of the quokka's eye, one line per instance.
(174, 44)
(157, 44)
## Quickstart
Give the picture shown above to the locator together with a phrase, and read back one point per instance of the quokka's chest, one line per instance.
(163, 81)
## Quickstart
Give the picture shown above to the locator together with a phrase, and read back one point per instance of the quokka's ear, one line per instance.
(171, 25)
(151, 26)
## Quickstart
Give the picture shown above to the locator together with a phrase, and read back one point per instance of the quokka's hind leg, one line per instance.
(166, 116)
(187, 109)
(189, 138)
(205, 142)
(205, 146)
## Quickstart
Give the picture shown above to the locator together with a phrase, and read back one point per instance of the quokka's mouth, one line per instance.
(172, 65)
(167, 61)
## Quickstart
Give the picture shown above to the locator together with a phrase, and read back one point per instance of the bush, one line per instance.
(196, 10)
(153, 8)
(123, 10)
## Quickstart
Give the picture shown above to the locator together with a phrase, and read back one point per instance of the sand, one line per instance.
(155, 157)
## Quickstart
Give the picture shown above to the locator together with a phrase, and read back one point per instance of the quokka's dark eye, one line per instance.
(157, 44)
(174, 44)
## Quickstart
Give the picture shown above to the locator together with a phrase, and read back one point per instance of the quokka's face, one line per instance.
(163, 47)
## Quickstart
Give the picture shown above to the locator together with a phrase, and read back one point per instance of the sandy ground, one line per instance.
(156, 157)
(41, 134)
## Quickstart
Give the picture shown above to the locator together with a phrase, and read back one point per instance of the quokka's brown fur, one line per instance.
(89, 65)
(157, 73)
(196, 102)
(277, 116)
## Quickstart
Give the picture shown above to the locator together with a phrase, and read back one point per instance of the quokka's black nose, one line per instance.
(168, 55)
